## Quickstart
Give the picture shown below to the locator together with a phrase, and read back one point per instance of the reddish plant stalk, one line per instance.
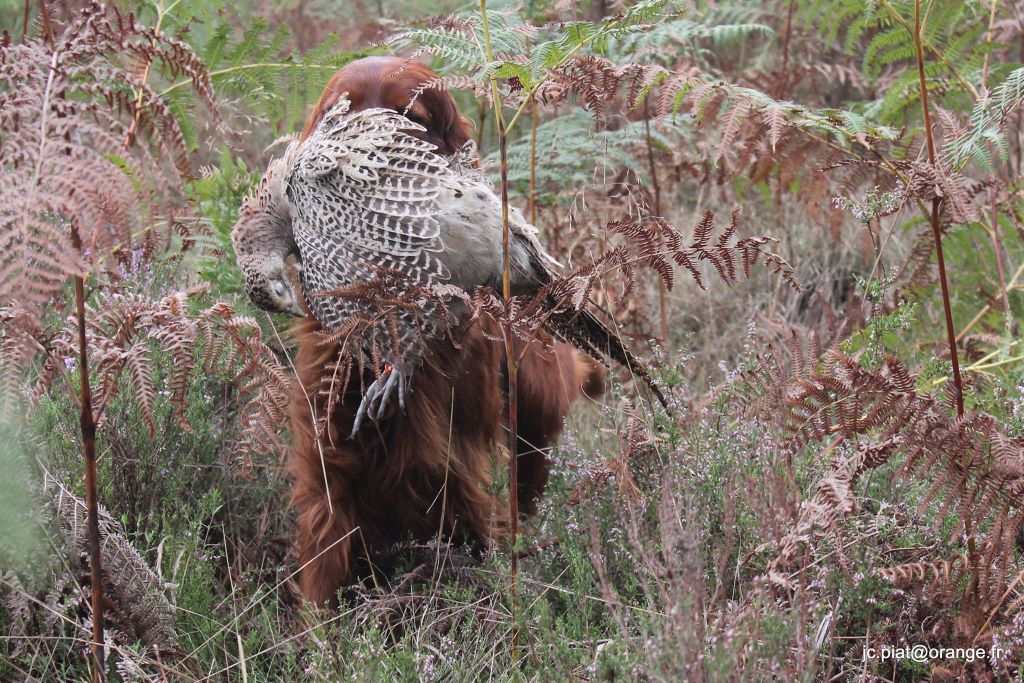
(24, 22)
(935, 215)
(511, 358)
(532, 206)
(784, 81)
(943, 282)
(656, 186)
(482, 120)
(512, 362)
(87, 424)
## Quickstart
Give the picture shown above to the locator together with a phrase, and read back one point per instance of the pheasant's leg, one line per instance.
(378, 396)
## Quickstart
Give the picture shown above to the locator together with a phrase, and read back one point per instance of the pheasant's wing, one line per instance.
(264, 224)
(364, 201)
(543, 267)
(472, 232)
(362, 182)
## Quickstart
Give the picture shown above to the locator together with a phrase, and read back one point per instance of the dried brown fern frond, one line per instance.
(966, 463)
(136, 603)
(82, 144)
(792, 354)
(234, 344)
(136, 606)
(596, 82)
(934, 574)
(129, 337)
(956, 191)
(658, 245)
(125, 332)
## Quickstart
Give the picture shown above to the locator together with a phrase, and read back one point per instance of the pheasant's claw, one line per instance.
(394, 380)
(365, 406)
(378, 396)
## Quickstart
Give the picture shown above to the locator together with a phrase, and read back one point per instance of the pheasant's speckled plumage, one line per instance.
(364, 200)
(361, 200)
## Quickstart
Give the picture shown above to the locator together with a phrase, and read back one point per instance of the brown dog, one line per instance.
(430, 469)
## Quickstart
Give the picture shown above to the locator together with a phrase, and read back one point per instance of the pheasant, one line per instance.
(360, 200)
(263, 240)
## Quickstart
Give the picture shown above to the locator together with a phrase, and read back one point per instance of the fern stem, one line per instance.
(531, 200)
(246, 67)
(87, 426)
(87, 423)
(656, 187)
(481, 117)
(511, 359)
(988, 39)
(919, 41)
(936, 214)
(943, 282)
(506, 288)
(784, 80)
(532, 206)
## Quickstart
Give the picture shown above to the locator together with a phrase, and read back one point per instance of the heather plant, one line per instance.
(837, 466)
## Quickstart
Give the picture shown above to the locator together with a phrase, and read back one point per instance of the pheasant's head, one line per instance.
(268, 284)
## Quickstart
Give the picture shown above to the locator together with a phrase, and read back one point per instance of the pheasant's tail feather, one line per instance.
(584, 331)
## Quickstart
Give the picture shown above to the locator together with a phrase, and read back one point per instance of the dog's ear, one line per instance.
(447, 124)
(330, 96)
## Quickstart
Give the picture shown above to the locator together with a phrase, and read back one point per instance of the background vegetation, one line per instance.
(817, 492)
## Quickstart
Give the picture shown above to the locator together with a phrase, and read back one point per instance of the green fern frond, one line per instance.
(259, 71)
(987, 120)
(570, 151)
(886, 47)
(460, 42)
(664, 42)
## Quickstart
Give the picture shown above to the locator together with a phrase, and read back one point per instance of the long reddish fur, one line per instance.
(429, 470)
